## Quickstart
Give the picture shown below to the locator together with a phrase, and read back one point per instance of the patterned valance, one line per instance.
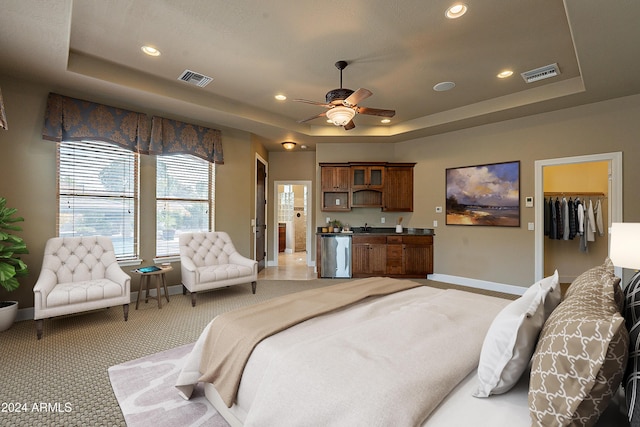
(72, 119)
(3, 116)
(174, 137)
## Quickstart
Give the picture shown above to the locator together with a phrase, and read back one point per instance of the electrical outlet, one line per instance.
(328, 220)
(382, 220)
(435, 223)
(530, 226)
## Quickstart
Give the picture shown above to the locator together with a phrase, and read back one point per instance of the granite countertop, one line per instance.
(380, 231)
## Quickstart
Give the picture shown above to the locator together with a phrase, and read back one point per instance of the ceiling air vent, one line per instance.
(195, 78)
(541, 73)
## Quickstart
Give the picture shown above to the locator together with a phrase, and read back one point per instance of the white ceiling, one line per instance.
(255, 49)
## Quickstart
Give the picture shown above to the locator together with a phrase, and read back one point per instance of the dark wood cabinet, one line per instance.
(398, 189)
(417, 255)
(334, 181)
(384, 185)
(368, 256)
(393, 255)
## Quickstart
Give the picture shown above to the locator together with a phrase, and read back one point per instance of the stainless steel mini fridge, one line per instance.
(336, 256)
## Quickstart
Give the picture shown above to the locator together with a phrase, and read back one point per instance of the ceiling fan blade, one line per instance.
(311, 118)
(322, 104)
(349, 125)
(376, 112)
(357, 96)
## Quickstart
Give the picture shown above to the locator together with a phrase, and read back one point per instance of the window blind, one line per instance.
(98, 193)
(185, 196)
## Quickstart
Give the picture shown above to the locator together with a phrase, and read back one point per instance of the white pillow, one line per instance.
(511, 340)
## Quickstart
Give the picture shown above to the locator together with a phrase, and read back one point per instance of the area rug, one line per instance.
(146, 394)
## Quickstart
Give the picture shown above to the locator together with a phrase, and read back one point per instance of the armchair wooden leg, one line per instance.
(39, 327)
(125, 308)
(184, 290)
(193, 299)
(253, 287)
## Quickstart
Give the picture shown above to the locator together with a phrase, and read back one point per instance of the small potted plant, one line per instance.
(336, 224)
(11, 266)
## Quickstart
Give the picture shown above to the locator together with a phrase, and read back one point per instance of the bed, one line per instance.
(405, 358)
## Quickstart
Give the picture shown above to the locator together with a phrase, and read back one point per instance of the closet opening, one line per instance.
(594, 183)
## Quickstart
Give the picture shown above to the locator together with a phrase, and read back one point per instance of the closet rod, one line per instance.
(570, 193)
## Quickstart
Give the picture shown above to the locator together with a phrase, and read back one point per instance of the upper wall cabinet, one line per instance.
(334, 180)
(388, 186)
(398, 188)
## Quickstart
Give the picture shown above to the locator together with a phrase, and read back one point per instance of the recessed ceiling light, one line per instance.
(504, 74)
(151, 51)
(456, 11)
(385, 121)
(442, 86)
(280, 97)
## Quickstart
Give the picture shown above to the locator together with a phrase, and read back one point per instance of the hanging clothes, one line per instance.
(547, 217)
(572, 219)
(580, 216)
(559, 224)
(591, 223)
(565, 219)
(599, 219)
(553, 229)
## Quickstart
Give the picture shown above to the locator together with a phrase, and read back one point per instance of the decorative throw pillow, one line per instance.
(580, 358)
(632, 375)
(511, 338)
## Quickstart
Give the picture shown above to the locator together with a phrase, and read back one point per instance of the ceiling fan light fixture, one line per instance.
(340, 115)
(288, 145)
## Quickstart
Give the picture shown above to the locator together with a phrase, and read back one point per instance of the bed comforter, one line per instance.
(389, 361)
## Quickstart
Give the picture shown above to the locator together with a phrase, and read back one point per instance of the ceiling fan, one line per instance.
(342, 104)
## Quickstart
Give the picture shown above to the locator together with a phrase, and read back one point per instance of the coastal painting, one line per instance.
(484, 195)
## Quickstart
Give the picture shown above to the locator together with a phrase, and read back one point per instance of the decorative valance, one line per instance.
(72, 119)
(3, 116)
(175, 137)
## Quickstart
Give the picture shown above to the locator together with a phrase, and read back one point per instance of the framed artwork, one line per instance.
(484, 195)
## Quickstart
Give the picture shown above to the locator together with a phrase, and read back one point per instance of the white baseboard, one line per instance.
(478, 284)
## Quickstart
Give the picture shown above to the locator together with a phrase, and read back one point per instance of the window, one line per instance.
(185, 196)
(98, 193)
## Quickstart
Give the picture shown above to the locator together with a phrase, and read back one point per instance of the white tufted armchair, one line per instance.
(79, 274)
(209, 261)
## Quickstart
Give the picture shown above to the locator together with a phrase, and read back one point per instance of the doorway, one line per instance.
(613, 212)
(260, 222)
(293, 228)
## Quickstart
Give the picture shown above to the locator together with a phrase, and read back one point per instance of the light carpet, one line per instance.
(146, 394)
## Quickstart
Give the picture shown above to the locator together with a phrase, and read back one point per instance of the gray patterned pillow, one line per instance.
(581, 355)
(632, 376)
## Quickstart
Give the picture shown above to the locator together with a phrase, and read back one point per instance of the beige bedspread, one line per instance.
(384, 361)
(234, 335)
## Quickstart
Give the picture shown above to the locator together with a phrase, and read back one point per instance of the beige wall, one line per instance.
(28, 182)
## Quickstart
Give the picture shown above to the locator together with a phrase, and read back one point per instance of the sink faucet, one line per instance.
(366, 228)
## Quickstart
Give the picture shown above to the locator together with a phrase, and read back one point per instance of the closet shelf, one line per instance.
(576, 193)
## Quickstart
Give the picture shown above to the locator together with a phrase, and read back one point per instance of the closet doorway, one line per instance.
(592, 179)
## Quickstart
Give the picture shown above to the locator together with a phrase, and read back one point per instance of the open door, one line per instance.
(261, 215)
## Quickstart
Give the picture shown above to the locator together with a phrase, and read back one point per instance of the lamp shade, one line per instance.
(625, 244)
(288, 145)
(340, 115)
